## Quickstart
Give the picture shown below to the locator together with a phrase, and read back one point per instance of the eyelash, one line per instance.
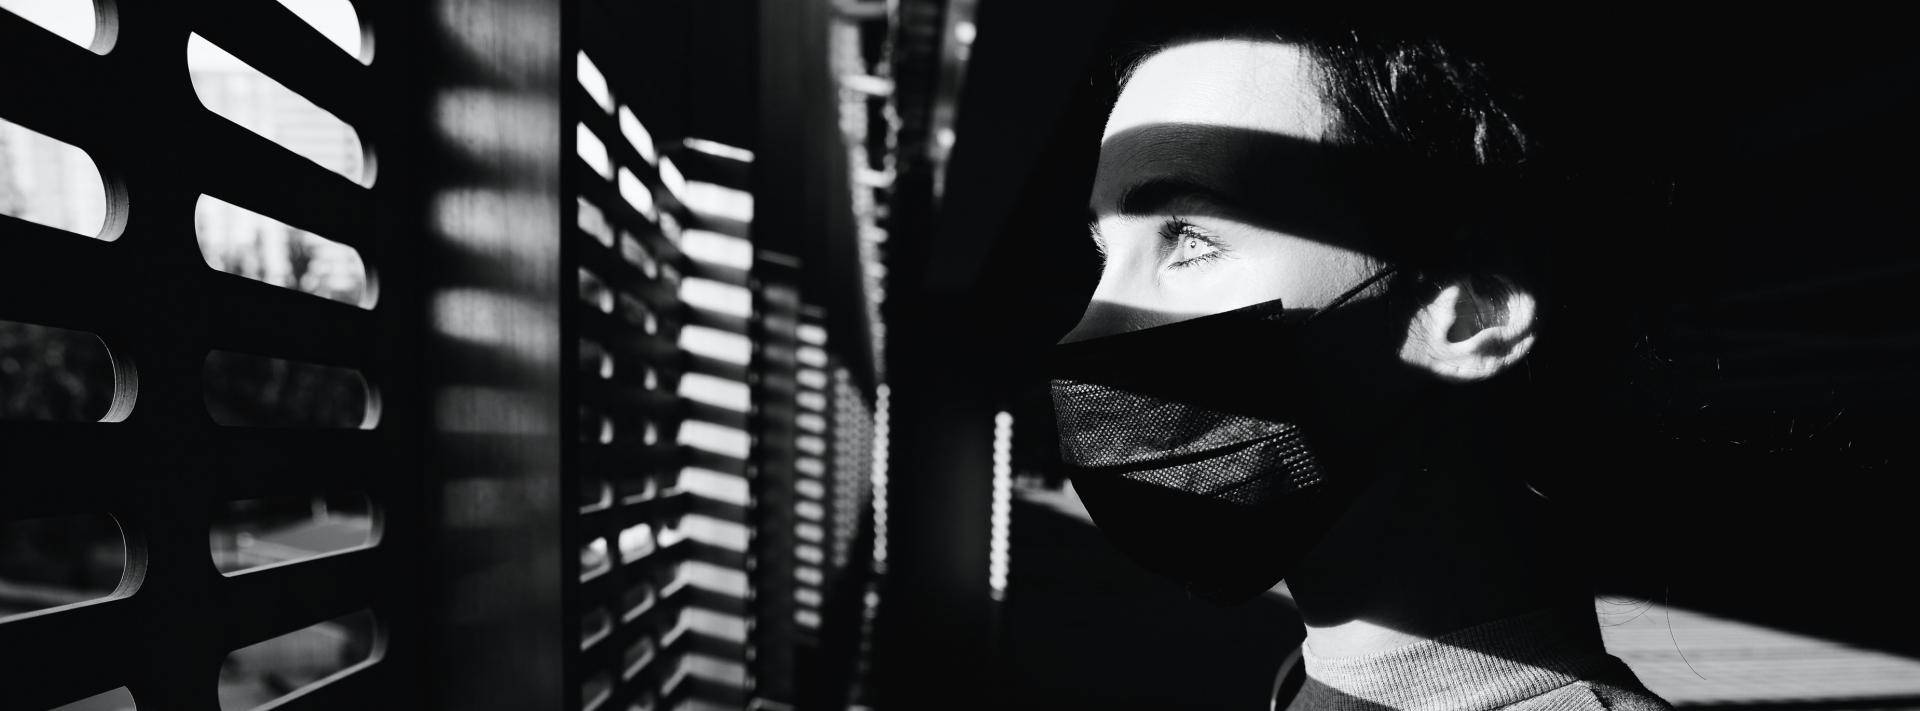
(1177, 230)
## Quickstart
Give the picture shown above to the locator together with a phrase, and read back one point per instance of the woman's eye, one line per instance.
(1189, 245)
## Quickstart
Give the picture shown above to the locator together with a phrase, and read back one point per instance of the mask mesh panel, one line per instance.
(1107, 431)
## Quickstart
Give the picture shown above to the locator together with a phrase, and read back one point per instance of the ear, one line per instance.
(1468, 334)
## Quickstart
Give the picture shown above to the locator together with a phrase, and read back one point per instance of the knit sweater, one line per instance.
(1551, 660)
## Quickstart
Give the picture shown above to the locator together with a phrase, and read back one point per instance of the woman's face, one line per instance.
(1196, 197)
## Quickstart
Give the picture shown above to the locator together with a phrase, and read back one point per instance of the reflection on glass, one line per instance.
(811, 400)
(637, 254)
(595, 359)
(716, 248)
(53, 374)
(594, 427)
(716, 344)
(718, 297)
(636, 312)
(810, 511)
(115, 700)
(595, 494)
(595, 293)
(670, 177)
(595, 690)
(636, 542)
(257, 532)
(716, 391)
(239, 93)
(73, 20)
(669, 535)
(56, 561)
(714, 578)
(593, 221)
(715, 669)
(335, 20)
(638, 195)
(637, 488)
(718, 625)
(50, 183)
(595, 627)
(246, 390)
(637, 135)
(810, 466)
(638, 655)
(719, 533)
(718, 439)
(670, 227)
(717, 149)
(594, 559)
(807, 597)
(718, 486)
(810, 444)
(260, 673)
(718, 201)
(588, 75)
(808, 553)
(591, 149)
(245, 243)
(637, 599)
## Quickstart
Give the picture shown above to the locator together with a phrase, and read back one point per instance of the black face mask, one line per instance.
(1193, 446)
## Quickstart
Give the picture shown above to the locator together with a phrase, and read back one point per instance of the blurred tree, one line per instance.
(53, 374)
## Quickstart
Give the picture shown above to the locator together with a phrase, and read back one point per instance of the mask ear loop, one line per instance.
(1401, 419)
(1349, 294)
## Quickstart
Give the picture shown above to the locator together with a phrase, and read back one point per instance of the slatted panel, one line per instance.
(829, 432)
(642, 639)
(154, 300)
(784, 624)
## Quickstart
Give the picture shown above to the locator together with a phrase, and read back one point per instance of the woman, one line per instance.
(1318, 279)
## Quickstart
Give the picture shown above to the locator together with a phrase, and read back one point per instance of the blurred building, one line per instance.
(44, 182)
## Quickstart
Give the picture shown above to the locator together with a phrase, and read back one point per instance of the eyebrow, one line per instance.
(1269, 181)
(1158, 193)
(1143, 173)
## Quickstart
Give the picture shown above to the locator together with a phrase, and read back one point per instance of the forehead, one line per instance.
(1247, 84)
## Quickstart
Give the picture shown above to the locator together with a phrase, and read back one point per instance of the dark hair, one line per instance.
(1420, 96)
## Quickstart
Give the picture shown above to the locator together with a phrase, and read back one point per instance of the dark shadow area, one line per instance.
(1366, 200)
(1083, 627)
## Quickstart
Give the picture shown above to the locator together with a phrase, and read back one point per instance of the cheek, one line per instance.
(1243, 281)
(1301, 274)
(1312, 275)
(1221, 285)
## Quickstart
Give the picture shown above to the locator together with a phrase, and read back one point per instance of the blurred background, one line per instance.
(596, 355)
